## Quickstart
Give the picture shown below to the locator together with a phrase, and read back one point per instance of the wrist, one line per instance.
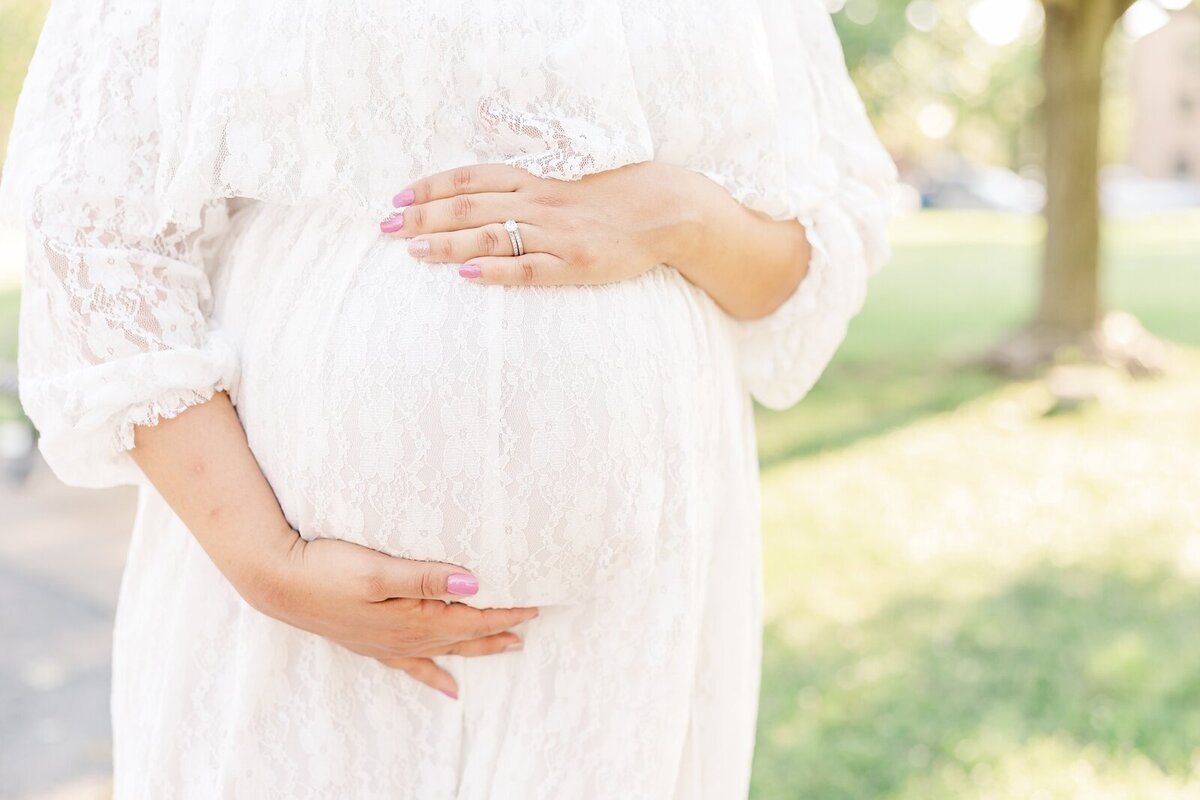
(702, 212)
(684, 216)
(713, 237)
(258, 569)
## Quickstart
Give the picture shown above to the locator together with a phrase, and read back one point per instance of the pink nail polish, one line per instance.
(393, 223)
(459, 583)
(418, 248)
(449, 694)
(469, 271)
(405, 198)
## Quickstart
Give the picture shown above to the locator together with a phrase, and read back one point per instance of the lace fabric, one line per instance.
(137, 120)
(201, 184)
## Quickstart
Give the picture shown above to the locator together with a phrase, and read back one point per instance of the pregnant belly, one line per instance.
(544, 437)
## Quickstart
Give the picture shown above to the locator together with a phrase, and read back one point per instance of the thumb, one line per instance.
(429, 580)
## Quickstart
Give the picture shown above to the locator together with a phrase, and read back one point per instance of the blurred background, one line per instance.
(982, 526)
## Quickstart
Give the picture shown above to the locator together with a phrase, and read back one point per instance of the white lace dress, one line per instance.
(202, 183)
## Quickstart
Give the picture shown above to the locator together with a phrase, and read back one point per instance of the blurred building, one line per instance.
(1165, 89)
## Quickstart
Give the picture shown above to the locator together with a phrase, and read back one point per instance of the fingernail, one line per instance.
(462, 584)
(418, 248)
(469, 271)
(449, 694)
(393, 223)
(405, 198)
(517, 645)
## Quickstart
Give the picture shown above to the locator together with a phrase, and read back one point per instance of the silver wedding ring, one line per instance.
(514, 236)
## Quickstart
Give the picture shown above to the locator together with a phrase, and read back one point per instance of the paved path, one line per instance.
(61, 554)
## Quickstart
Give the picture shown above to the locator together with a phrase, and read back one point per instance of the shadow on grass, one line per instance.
(1108, 659)
(860, 400)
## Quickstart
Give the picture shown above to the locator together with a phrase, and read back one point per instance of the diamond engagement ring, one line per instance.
(514, 236)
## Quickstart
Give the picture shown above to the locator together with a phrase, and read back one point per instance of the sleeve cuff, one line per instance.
(778, 359)
(86, 419)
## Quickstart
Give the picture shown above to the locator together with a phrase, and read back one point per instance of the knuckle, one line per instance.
(489, 240)
(398, 653)
(415, 217)
(462, 177)
(430, 583)
(404, 639)
(373, 584)
(549, 199)
(461, 207)
(443, 247)
(528, 273)
(422, 191)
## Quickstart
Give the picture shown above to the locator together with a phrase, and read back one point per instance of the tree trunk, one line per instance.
(1072, 65)
(1070, 320)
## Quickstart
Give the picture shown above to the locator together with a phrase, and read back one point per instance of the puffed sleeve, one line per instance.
(115, 296)
(783, 354)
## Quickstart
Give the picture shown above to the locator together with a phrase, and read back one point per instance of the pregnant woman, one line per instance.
(429, 331)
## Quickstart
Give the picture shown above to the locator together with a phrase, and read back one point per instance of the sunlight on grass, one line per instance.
(1051, 768)
(946, 596)
(957, 284)
(943, 596)
(969, 598)
(996, 485)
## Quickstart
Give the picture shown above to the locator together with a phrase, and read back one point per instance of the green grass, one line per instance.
(967, 597)
(958, 281)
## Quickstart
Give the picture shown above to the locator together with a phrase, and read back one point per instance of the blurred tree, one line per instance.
(1070, 309)
(911, 57)
(1072, 70)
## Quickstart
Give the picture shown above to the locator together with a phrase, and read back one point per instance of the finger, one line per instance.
(542, 269)
(458, 246)
(427, 672)
(462, 180)
(460, 212)
(487, 646)
(432, 625)
(394, 577)
(454, 622)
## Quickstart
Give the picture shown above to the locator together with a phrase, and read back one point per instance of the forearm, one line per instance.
(746, 261)
(201, 464)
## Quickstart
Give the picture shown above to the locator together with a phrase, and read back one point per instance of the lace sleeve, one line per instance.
(115, 296)
(783, 354)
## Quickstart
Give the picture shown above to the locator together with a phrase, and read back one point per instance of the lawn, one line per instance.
(967, 597)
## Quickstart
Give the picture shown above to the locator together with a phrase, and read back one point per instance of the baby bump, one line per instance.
(543, 437)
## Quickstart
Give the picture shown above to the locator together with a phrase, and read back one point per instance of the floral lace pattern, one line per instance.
(201, 184)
